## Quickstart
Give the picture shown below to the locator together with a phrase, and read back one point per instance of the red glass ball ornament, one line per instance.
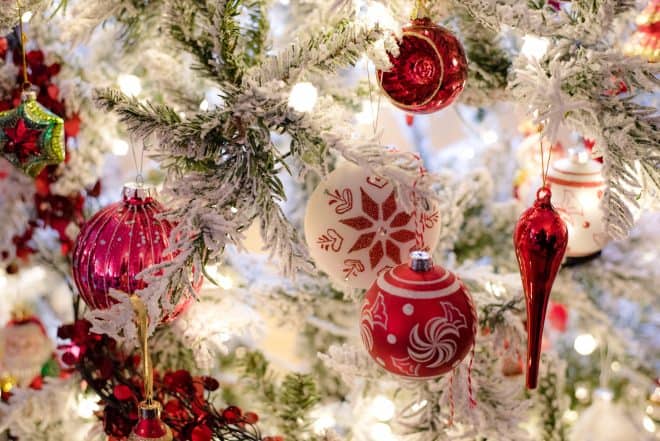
(117, 243)
(430, 71)
(149, 426)
(540, 239)
(418, 319)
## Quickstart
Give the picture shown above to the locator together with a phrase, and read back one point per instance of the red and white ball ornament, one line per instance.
(355, 227)
(430, 71)
(418, 319)
(117, 243)
(577, 187)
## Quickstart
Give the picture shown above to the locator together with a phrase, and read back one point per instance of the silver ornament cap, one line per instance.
(420, 261)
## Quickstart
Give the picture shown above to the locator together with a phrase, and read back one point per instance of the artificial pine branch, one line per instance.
(289, 401)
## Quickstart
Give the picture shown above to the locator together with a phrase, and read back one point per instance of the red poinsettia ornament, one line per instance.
(31, 136)
(540, 239)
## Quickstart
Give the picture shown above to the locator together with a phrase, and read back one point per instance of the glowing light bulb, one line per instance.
(378, 13)
(27, 15)
(303, 97)
(87, 406)
(204, 105)
(129, 84)
(225, 282)
(381, 432)
(648, 424)
(615, 366)
(323, 423)
(534, 47)
(382, 408)
(585, 344)
(581, 393)
(119, 147)
(570, 416)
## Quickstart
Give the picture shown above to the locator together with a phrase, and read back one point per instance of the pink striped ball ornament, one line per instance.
(117, 243)
(418, 319)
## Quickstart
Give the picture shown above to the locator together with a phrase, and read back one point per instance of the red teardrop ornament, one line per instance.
(540, 240)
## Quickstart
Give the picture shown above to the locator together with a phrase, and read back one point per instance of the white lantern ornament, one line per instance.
(577, 187)
(355, 227)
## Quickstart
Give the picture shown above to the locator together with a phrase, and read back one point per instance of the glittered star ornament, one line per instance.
(31, 136)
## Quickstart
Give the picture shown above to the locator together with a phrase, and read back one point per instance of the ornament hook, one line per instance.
(143, 323)
(26, 81)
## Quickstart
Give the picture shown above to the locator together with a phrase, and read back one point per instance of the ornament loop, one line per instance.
(543, 194)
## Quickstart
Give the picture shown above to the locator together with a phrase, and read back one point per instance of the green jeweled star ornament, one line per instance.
(31, 136)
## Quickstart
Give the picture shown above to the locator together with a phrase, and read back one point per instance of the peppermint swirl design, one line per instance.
(438, 345)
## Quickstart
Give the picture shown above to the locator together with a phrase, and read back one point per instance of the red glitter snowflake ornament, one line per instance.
(31, 136)
(356, 229)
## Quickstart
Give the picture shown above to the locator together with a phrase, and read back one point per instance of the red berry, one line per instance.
(123, 392)
(210, 383)
(232, 414)
(201, 433)
(251, 418)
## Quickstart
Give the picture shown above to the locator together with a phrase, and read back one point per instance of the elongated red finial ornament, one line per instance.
(540, 240)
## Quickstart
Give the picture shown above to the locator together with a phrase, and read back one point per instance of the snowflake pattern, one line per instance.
(383, 229)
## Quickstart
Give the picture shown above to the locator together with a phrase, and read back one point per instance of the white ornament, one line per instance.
(577, 187)
(606, 421)
(355, 227)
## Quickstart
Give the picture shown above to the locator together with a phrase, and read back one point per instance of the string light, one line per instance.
(303, 97)
(323, 423)
(27, 15)
(204, 105)
(129, 84)
(87, 406)
(648, 424)
(585, 344)
(377, 13)
(534, 47)
(381, 432)
(570, 416)
(120, 147)
(582, 393)
(382, 408)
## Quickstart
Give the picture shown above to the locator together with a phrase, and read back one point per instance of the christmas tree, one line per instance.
(312, 220)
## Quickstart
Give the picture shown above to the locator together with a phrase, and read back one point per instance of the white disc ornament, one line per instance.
(577, 187)
(356, 228)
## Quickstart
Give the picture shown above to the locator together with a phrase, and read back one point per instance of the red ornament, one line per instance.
(117, 243)
(558, 316)
(150, 427)
(540, 240)
(430, 71)
(418, 320)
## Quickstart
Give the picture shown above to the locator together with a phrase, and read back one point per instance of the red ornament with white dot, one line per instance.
(418, 319)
